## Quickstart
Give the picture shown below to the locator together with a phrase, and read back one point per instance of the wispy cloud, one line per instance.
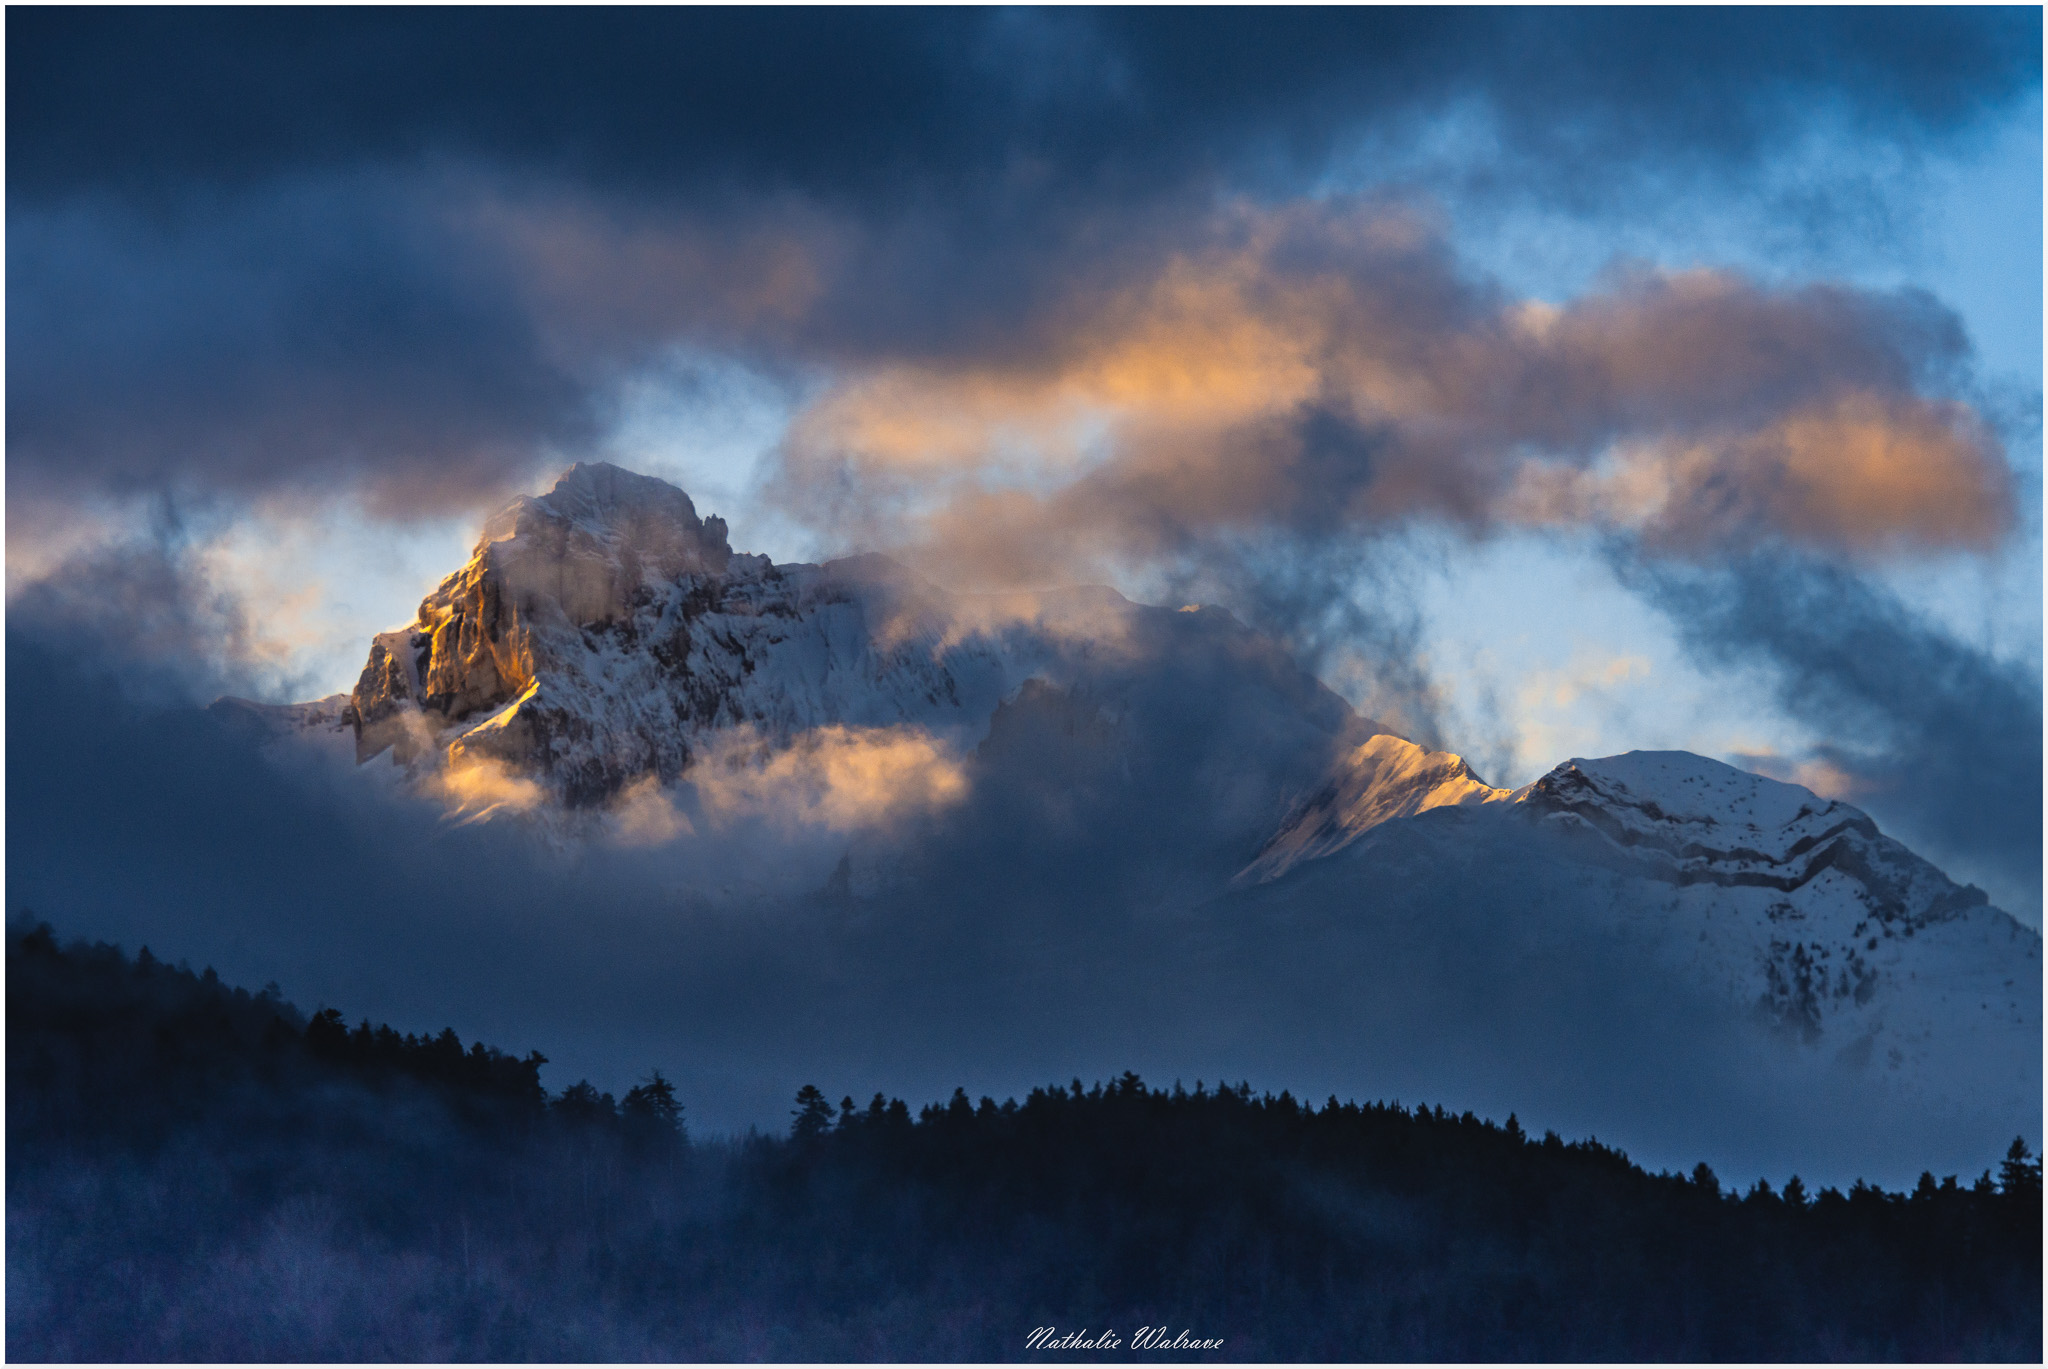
(835, 778)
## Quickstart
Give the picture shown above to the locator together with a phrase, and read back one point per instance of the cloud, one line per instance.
(141, 593)
(1865, 476)
(837, 778)
(324, 335)
(479, 789)
(1822, 776)
(1300, 375)
(843, 102)
(416, 250)
(644, 815)
(1324, 372)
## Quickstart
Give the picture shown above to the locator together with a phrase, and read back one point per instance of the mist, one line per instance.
(1061, 919)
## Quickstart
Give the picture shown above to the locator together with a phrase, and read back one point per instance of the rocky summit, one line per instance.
(602, 630)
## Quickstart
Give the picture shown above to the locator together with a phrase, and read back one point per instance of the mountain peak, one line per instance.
(591, 551)
(1685, 820)
(636, 526)
(603, 632)
(1689, 788)
(1383, 778)
(601, 494)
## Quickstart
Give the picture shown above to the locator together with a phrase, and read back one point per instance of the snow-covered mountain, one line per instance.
(1668, 816)
(603, 638)
(1801, 906)
(1791, 907)
(604, 642)
(1792, 903)
(602, 632)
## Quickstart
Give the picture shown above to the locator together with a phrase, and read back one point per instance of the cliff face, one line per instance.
(580, 558)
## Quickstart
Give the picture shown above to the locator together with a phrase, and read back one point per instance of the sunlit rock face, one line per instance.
(1383, 778)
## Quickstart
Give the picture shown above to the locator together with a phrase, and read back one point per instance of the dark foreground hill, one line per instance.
(195, 1172)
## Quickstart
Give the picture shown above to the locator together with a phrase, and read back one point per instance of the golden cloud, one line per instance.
(1863, 475)
(1326, 369)
(837, 778)
(645, 815)
(477, 789)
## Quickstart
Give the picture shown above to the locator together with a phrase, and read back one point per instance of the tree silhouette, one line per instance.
(582, 1103)
(813, 1114)
(651, 1111)
(2016, 1175)
(1352, 1231)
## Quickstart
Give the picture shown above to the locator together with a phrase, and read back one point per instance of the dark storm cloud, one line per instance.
(1345, 611)
(1940, 741)
(266, 247)
(323, 329)
(848, 100)
(152, 626)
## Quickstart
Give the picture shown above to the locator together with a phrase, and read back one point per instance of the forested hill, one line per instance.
(196, 1172)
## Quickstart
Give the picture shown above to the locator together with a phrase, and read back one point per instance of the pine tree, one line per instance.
(581, 1102)
(652, 1112)
(2017, 1177)
(813, 1114)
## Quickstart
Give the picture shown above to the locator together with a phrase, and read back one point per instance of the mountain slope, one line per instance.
(1800, 905)
(1791, 911)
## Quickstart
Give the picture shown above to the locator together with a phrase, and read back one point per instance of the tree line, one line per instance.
(199, 1172)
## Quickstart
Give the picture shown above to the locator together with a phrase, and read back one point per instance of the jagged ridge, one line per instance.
(1680, 818)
